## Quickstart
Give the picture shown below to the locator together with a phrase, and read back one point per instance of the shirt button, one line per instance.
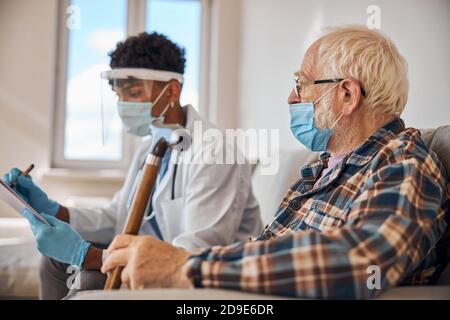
(267, 234)
(295, 206)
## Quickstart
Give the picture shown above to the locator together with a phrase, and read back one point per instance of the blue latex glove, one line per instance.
(31, 193)
(58, 240)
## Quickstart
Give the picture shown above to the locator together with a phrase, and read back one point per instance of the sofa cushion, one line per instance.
(438, 140)
(19, 260)
(269, 190)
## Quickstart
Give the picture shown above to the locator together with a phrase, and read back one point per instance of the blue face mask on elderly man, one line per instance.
(303, 127)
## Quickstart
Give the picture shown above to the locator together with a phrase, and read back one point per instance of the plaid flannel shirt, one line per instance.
(383, 208)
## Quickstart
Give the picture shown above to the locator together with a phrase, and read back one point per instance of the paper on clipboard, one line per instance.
(8, 195)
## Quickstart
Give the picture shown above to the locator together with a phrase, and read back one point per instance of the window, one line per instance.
(88, 31)
(180, 21)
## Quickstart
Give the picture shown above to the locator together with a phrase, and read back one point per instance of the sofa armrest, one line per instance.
(417, 293)
(171, 294)
(399, 293)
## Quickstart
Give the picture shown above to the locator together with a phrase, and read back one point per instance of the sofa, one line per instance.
(269, 190)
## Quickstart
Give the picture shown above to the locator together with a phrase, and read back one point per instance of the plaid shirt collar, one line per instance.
(359, 157)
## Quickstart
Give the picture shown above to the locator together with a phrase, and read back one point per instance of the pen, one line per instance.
(24, 173)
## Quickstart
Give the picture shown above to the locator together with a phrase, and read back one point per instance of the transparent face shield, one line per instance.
(133, 88)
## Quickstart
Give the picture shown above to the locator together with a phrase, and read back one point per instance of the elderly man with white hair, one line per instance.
(375, 200)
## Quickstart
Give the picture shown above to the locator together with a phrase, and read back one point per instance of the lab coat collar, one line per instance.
(191, 116)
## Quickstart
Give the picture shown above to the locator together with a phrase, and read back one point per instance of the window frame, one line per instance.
(136, 22)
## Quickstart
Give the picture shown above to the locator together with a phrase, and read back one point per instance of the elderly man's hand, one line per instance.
(148, 262)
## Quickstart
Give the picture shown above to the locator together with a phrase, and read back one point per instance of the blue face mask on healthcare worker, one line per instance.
(303, 127)
(137, 116)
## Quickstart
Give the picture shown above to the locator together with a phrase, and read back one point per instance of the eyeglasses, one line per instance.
(300, 83)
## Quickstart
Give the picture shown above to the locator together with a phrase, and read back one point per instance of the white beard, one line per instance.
(324, 117)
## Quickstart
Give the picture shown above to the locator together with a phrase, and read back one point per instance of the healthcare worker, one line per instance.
(194, 204)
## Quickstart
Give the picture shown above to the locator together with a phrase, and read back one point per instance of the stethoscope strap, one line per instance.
(173, 180)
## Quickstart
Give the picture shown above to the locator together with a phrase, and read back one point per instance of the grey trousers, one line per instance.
(61, 281)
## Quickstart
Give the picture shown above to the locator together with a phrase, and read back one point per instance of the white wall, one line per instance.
(26, 63)
(26, 40)
(27, 68)
(224, 49)
(275, 34)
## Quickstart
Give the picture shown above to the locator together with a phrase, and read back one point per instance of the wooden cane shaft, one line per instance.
(114, 280)
(141, 199)
(137, 212)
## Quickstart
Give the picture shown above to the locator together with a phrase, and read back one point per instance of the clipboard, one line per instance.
(9, 196)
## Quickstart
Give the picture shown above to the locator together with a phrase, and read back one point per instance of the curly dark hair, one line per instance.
(152, 51)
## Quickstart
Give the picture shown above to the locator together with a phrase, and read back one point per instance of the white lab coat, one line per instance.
(213, 203)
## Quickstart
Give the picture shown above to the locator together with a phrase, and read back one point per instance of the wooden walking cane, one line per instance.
(140, 201)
